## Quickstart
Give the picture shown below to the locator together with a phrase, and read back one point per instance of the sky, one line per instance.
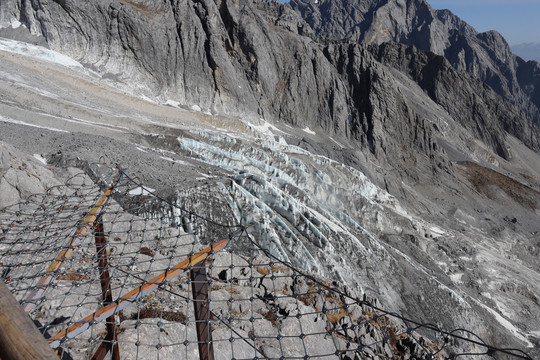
(517, 20)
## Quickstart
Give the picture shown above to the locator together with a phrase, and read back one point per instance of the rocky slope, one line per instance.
(21, 176)
(468, 100)
(429, 252)
(260, 307)
(487, 56)
(239, 58)
(369, 161)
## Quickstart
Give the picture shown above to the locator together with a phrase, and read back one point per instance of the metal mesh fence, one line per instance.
(102, 276)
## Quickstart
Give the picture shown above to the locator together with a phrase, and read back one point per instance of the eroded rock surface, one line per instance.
(487, 56)
(369, 161)
(21, 176)
(260, 59)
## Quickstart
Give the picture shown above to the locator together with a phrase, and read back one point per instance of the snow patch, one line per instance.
(456, 278)
(440, 285)
(173, 103)
(196, 108)
(309, 131)
(266, 126)
(507, 324)
(437, 232)
(486, 295)
(15, 24)
(173, 160)
(18, 122)
(40, 158)
(266, 131)
(141, 191)
(204, 176)
(147, 99)
(89, 123)
(38, 52)
(337, 143)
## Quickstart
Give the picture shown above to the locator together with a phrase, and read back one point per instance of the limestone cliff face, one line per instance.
(411, 22)
(471, 102)
(261, 59)
(230, 57)
(487, 56)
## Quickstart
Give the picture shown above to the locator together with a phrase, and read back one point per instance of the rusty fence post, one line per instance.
(110, 342)
(138, 293)
(199, 287)
(82, 229)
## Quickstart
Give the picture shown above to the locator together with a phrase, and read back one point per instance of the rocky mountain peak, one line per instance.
(412, 22)
(415, 23)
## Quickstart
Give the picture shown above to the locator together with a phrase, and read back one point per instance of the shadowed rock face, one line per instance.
(473, 104)
(487, 56)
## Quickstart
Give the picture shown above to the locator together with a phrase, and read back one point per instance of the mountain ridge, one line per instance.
(373, 136)
(238, 73)
(486, 56)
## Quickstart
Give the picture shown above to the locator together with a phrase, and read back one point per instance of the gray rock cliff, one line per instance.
(260, 59)
(486, 56)
(476, 106)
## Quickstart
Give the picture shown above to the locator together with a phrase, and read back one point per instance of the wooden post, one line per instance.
(199, 287)
(19, 337)
(110, 343)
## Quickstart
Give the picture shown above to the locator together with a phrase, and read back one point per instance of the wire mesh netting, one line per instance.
(100, 276)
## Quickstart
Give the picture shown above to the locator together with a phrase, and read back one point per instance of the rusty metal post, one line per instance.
(137, 293)
(199, 287)
(85, 226)
(110, 343)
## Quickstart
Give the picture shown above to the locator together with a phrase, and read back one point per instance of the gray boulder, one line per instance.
(21, 176)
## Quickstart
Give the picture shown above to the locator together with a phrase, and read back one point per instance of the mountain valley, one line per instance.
(391, 149)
